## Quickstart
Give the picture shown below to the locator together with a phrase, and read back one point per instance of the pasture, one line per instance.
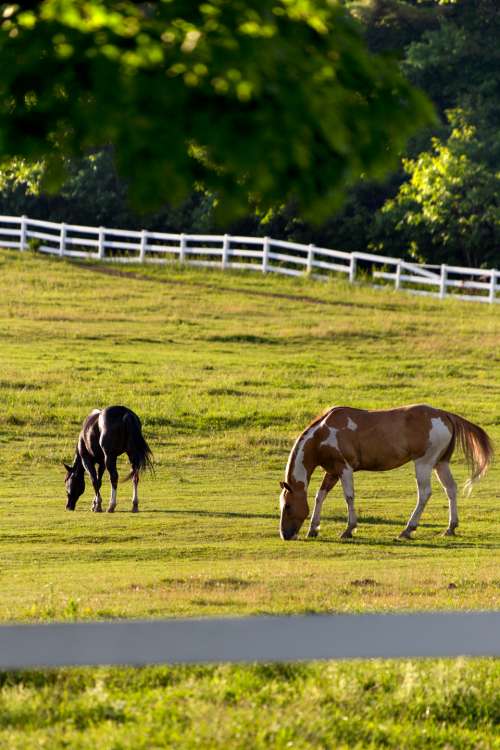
(225, 370)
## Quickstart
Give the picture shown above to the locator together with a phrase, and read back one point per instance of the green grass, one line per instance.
(225, 370)
(430, 704)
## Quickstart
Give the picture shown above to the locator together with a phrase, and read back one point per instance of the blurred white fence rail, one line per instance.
(262, 254)
(251, 639)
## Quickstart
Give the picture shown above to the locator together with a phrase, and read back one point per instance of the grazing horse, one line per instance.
(345, 440)
(105, 435)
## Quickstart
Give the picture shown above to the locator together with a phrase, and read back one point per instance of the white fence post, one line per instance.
(142, 248)
(397, 279)
(100, 246)
(265, 254)
(22, 236)
(182, 248)
(62, 239)
(310, 259)
(442, 282)
(493, 285)
(352, 268)
(225, 251)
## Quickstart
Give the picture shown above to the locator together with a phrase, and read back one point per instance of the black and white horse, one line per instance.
(105, 435)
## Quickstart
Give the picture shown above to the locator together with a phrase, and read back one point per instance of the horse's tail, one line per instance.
(141, 456)
(476, 446)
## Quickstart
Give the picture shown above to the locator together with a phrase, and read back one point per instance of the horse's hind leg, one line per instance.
(135, 498)
(423, 470)
(113, 477)
(134, 475)
(449, 485)
(346, 478)
(329, 481)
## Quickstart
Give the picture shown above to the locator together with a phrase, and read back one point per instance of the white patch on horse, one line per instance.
(95, 411)
(318, 503)
(331, 439)
(351, 425)
(346, 479)
(299, 473)
(282, 500)
(112, 502)
(439, 439)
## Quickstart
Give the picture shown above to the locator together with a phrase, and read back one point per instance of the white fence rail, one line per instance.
(251, 639)
(262, 254)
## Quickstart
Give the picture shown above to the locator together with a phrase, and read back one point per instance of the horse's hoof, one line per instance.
(312, 533)
(111, 509)
(406, 534)
(449, 532)
(135, 509)
(347, 534)
(98, 509)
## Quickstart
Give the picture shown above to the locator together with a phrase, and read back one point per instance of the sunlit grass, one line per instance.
(430, 704)
(224, 370)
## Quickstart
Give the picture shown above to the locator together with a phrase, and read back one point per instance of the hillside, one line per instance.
(225, 370)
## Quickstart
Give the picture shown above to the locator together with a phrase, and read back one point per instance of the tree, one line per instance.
(442, 205)
(458, 64)
(392, 25)
(276, 99)
(93, 193)
(449, 209)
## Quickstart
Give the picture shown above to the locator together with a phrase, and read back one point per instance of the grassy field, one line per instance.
(225, 370)
(430, 704)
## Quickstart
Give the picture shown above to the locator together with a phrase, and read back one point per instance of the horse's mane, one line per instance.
(314, 422)
(320, 417)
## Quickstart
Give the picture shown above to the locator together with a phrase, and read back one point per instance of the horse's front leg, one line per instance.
(97, 504)
(96, 478)
(328, 483)
(347, 481)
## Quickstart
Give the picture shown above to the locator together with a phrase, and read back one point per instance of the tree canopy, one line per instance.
(449, 209)
(443, 203)
(440, 202)
(281, 100)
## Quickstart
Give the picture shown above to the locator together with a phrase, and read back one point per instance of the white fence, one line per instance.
(251, 639)
(250, 253)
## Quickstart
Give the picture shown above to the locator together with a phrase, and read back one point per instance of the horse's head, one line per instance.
(294, 510)
(75, 485)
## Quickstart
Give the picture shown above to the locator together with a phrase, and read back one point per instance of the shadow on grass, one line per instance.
(364, 520)
(212, 513)
(252, 291)
(338, 519)
(440, 543)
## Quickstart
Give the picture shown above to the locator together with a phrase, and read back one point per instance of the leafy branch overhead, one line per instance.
(280, 100)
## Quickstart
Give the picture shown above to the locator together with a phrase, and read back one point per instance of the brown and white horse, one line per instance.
(345, 440)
